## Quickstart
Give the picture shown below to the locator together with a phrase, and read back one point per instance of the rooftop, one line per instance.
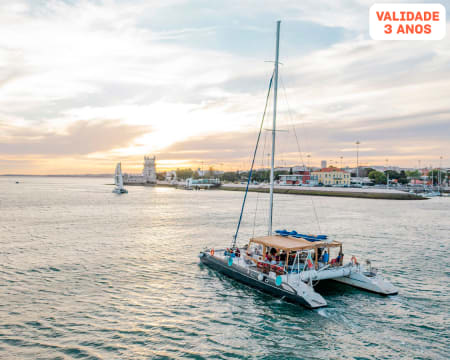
(331, 170)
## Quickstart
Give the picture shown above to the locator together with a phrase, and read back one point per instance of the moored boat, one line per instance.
(285, 263)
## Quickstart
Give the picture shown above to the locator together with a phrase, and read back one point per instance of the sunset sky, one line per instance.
(84, 84)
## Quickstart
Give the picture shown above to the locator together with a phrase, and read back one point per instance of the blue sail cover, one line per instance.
(295, 234)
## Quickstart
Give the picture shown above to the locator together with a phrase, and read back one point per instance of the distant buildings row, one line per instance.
(326, 176)
(296, 175)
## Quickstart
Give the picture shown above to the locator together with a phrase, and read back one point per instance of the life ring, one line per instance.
(212, 252)
(354, 261)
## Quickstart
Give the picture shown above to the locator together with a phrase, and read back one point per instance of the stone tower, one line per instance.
(149, 171)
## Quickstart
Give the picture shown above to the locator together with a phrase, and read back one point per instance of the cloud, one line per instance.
(401, 139)
(194, 73)
(80, 138)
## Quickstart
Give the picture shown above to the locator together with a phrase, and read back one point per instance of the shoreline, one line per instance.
(360, 194)
(348, 194)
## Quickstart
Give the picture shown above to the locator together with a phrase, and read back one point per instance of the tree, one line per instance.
(364, 172)
(184, 173)
(278, 173)
(210, 172)
(415, 174)
(402, 179)
(435, 174)
(261, 175)
(230, 176)
(392, 174)
(377, 177)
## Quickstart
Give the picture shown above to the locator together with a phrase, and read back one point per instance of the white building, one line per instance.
(171, 175)
(148, 173)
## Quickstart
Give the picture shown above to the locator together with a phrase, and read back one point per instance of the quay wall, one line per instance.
(340, 193)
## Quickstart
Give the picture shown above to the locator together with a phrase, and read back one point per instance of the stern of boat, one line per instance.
(369, 280)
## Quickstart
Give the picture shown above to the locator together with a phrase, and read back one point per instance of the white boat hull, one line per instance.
(370, 282)
(120, 191)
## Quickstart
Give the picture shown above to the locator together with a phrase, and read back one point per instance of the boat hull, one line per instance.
(120, 191)
(266, 284)
(375, 283)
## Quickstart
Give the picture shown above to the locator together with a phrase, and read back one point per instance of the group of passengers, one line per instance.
(279, 257)
(233, 252)
(323, 257)
(275, 258)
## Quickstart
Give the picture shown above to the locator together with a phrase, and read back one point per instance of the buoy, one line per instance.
(278, 280)
(212, 252)
(230, 261)
(354, 261)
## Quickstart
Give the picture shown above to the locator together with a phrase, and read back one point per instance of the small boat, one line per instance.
(17, 182)
(431, 194)
(288, 264)
(118, 181)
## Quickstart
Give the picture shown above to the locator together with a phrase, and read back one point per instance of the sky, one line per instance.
(85, 84)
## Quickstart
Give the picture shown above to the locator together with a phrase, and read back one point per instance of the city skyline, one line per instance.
(85, 84)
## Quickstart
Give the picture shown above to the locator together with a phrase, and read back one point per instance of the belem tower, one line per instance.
(148, 173)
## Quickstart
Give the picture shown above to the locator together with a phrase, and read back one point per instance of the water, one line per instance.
(85, 273)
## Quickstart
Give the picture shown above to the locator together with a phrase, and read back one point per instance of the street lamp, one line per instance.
(387, 174)
(357, 158)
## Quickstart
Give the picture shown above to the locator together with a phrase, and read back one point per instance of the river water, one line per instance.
(85, 273)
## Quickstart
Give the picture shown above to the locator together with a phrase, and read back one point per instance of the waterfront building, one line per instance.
(148, 175)
(171, 175)
(299, 178)
(331, 176)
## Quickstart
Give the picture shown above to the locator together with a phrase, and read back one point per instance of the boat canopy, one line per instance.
(289, 243)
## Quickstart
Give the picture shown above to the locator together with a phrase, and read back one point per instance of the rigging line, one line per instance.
(233, 245)
(257, 193)
(299, 150)
(292, 122)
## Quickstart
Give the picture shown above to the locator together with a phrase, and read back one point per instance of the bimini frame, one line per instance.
(291, 244)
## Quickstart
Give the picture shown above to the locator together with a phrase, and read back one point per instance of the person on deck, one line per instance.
(340, 258)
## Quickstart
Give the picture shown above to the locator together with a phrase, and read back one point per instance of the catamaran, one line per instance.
(118, 181)
(288, 264)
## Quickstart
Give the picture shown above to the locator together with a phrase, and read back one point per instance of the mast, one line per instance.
(120, 175)
(439, 175)
(272, 162)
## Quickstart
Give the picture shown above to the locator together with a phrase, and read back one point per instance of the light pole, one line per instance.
(357, 158)
(387, 174)
(341, 161)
